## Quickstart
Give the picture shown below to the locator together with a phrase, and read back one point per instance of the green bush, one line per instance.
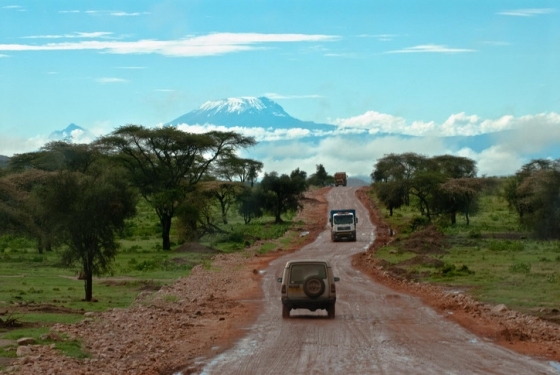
(450, 270)
(507, 245)
(475, 233)
(520, 268)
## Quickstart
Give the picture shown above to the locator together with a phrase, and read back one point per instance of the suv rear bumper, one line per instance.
(309, 304)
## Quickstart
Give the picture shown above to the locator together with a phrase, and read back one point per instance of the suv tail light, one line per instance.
(333, 288)
(283, 288)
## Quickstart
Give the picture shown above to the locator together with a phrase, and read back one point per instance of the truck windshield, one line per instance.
(344, 219)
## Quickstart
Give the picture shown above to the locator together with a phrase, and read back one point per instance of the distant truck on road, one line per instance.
(343, 224)
(340, 178)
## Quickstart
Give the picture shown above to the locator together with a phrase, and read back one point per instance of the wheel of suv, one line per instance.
(313, 286)
(285, 312)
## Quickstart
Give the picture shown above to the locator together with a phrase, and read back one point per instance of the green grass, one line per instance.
(492, 258)
(40, 281)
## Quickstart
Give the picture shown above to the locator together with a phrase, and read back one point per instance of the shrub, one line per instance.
(520, 268)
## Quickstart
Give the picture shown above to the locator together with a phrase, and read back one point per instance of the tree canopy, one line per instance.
(86, 211)
(440, 185)
(534, 192)
(165, 163)
(283, 193)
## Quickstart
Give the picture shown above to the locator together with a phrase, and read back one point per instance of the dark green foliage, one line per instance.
(450, 270)
(165, 163)
(534, 193)
(283, 193)
(520, 268)
(85, 212)
(439, 186)
(250, 204)
(320, 178)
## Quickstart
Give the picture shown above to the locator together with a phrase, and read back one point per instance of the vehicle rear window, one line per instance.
(300, 272)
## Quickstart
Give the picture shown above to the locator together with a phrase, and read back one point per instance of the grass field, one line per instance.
(492, 258)
(49, 293)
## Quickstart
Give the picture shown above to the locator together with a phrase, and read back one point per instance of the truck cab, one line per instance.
(343, 224)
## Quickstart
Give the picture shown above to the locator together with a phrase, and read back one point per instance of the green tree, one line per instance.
(320, 177)
(461, 196)
(22, 213)
(433, 183)
(29, 171)
(165, 163)
(232, 168)
(283, 193)
(86, 211)
(250, 203)
(518, 196)
(391, 194)
(534, 192)
(226, 193)
(56, 156)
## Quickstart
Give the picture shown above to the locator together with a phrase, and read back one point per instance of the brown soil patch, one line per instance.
(524, 334)
(425, 241)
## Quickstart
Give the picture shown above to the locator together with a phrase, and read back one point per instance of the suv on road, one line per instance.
(308, 284)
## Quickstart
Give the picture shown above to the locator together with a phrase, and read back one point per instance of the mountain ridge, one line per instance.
(245, 112)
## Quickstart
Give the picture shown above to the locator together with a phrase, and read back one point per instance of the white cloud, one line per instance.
(18, 8)
(380, 37)
(355, 155)
(348, 55)
(527, 12)
(494, 161)
(111, 80)
(76, 35)
(205, 45)
(126, 14)
(260, 134)
(11, 145)
(431, 48)
(532, 134)
(459, 124)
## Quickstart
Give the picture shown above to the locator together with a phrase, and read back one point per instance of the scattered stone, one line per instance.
(23, 351)
(26, 341)
(499, 309)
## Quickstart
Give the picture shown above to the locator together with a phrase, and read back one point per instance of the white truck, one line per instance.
(343, 224)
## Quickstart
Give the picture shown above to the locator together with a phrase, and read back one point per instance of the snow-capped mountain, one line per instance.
(72, 132)
(246, 112)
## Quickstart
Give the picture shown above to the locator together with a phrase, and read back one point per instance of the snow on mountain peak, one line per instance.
(235, 105)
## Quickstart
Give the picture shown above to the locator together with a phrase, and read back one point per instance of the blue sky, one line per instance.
(424, 68)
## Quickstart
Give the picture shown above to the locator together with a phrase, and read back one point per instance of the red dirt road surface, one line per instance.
(376, 330)
(228, 319)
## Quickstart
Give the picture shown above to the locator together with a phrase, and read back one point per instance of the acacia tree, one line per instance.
(461, 196)
(232, 168)
(86, 211)
(226, 193)
(12, 217)
(165, 163)
(283, 193)
(20, 210)
(29, 170)
(534, 192)
(441, 185)
(250, 204)
(320, 177)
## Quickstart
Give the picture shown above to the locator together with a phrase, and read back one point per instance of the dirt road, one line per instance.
(376, 330)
